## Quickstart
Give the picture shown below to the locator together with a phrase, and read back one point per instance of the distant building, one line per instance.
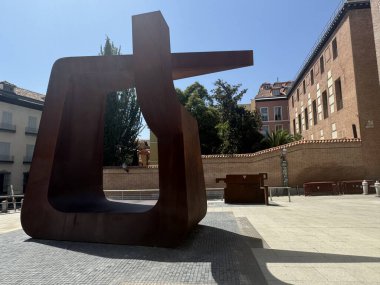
(20, 114)
(272, 103)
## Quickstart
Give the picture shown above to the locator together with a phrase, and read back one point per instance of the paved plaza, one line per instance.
(312, 240)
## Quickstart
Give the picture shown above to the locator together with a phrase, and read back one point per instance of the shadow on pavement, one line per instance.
(231, 254)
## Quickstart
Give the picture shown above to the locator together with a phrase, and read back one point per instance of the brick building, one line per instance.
(337, 93)
(272, 103)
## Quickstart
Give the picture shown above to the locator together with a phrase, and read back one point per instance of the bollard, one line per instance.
(4, 206)
(365, 187)
(377, 187)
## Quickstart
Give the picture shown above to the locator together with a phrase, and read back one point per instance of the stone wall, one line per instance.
(308, 161)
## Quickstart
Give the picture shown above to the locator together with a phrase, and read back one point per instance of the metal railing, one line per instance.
(153, 194)
(27, 159)
(11, 199)
(31, 131)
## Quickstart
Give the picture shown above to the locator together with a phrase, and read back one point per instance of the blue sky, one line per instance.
(34, 34)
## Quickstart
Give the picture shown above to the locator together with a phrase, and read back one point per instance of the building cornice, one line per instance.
(336, 19)
(274, 149)
(22, 101)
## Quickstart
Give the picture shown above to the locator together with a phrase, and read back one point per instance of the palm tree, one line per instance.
(279, 138)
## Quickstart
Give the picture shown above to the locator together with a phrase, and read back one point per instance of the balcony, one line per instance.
(31, 131)
(6, 158)
(7, 127)
(27, 159)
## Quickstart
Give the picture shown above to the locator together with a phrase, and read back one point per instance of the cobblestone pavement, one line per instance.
(312, 240)
(215, 253)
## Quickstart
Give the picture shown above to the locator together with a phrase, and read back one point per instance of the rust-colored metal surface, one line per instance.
(64, 198)
(248, 188)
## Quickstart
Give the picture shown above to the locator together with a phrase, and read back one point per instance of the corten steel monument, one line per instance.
(64, 199)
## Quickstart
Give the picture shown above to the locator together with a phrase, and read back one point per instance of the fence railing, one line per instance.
(153, 194)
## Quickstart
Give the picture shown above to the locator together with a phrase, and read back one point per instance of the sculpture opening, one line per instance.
(65, 199)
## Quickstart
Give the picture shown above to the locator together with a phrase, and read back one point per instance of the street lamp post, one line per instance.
(284, 167)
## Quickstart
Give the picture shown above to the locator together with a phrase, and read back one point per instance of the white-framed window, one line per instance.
(32, 122)
(264, 114)
(265, 129)
(6, 121)
(29, 150)
(279, 128)
(32, 127)
(5, 151)
(277, 113)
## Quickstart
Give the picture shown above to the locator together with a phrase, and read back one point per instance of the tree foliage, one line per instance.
(279, 138)
(224, 126)
(122, 122)
(238, 128)
(197, 101)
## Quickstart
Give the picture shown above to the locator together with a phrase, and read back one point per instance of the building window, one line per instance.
(294, 126)
(25, 181)
(354, 131)
(322, 64)
(6, 122)
(312, 77)
(304, 86)
(29, 153)
(338, 94)
(5, 178)
(265, 130)
(334, 48)
(298, 94)
(264, 114)
(325, 105)
(279, 128)
(5, 152)
(32, 126)
(306, 119)
(328, 54)
(276, 92)
(315, 116)
(299, 124)
(292, 102)
(278, 113)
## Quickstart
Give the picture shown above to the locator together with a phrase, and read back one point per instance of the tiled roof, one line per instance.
(12, 94)
(266, 89)
(23, 92)
(30, 94)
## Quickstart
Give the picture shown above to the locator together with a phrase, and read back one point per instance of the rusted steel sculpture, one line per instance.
(64, 198)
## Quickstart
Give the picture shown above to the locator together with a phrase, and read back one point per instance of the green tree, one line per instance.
(238, 128)
(122, 122)
(197, 101)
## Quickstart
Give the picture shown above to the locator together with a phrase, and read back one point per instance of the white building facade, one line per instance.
(20, 114)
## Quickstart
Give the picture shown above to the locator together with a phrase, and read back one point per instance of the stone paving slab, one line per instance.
(312, 240)
(215, 253)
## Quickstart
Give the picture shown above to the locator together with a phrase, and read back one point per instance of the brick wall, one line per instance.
(307, 160)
